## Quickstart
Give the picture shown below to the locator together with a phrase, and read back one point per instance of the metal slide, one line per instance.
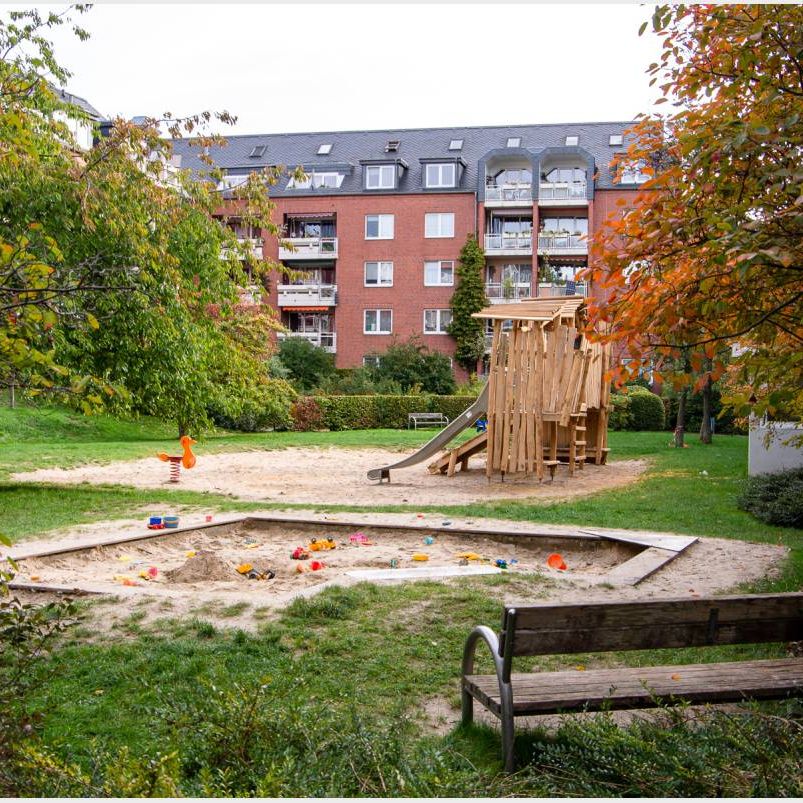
(438, 443)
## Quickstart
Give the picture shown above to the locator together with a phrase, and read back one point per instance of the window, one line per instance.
(436, 321)
(232, 182)
(377, 321)
(371, 360)
(513, 142)
(572, 225)
(439, 224)
(379, 274)
(380, 177)
(632, 173)
(615, 139)
(566, 175)
(456, 145)
(325, 149)
(257, 151)
(392, 146)
(440, 175)
(316, 180)
(379, 227)
(439, 273)
(572, 140)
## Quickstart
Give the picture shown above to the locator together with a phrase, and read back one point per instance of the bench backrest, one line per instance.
(604, 627)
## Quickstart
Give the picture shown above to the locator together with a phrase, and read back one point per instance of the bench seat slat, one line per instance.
(622, 688)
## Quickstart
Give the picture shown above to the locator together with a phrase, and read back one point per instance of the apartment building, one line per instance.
(373, 233)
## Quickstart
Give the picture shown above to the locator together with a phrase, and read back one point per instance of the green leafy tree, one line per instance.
(309, 365)
(111, 262)
(414, 367)
(468, 298)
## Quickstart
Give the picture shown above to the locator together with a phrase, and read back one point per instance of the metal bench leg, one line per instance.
(508, 728)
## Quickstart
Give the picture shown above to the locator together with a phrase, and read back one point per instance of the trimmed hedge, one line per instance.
(637, 410)
(646, 409)
(372, 412)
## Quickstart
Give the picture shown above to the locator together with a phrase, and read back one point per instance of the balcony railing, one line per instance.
(517, 243)
(515, 193)
(325, 340)
(253, 244)
(308, 248)
(550, 289)
(562, 191)
(563, 243)
(303, 295)
(503, 293)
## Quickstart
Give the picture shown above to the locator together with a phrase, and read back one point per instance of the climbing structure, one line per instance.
(547, 400)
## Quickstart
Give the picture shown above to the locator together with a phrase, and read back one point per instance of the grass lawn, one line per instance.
(316, 702)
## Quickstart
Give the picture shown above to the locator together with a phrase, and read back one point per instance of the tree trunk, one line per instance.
(680, 424)
(706, 434)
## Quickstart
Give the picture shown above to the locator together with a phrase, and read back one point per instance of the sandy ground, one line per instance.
(336, 476)
(709, 566)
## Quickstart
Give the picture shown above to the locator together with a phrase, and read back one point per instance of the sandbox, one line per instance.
(204, 559)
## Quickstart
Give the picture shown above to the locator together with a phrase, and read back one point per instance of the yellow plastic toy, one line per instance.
(420, 556)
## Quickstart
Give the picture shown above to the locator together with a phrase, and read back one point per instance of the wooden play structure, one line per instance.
(547, 400)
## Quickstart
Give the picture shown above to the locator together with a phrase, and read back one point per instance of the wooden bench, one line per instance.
(547, 629)
(426, 420)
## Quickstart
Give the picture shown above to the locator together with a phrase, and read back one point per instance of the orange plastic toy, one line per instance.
(187, 459)
(555, 561)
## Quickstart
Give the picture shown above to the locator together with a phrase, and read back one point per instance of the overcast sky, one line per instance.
(304, 67)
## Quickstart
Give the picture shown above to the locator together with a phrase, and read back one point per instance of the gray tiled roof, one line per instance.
(75, 100)
(351, 147)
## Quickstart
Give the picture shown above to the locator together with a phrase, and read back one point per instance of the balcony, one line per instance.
(307, 295)
(509, 195)
(552, 289)
(509, 244)
(308, 248)
(507, 293)
(251, 244)
(562, 193)
(559, 244)
(325, 340)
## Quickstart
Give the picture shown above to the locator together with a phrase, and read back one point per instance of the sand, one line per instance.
(337, 476)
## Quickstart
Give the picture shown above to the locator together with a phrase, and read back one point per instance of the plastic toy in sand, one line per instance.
(360, 539)
(187, 459)
(555, 561)
(322, 544)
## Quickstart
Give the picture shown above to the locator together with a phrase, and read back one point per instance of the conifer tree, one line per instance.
(469, 297)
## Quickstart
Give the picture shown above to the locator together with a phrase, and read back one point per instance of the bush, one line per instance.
(307, 415)
(259, 407)
(646, 410)
(356, 382)
(775, 498)
(413, 365)
(724, 422)
(372, 412)
(308, 365)
(620, 417)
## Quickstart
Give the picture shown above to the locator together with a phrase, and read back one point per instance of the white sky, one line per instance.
(305, 67)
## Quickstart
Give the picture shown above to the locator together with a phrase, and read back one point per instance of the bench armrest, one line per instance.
(489, 637)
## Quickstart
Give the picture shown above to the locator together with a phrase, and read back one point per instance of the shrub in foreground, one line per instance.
(775, 498)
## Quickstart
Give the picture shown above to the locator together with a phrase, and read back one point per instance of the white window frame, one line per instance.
(382, 172)
(325, 148)
(456, 145)
(379, 265)
(437, 231)
(439, 263)
(315, 180)
(615, 139)
(630, 172)
(513, 142)
(383, 218)
(441, 327)
(572, 140)
(378, 315)
(438, 170)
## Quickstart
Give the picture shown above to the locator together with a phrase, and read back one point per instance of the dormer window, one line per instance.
(631, 172)
(440, 175)
(456, 145)
(392, 146)
(513, 142)
(325, 149)
(380, 177)
(572, 140)
(256, 152)
(615, 139)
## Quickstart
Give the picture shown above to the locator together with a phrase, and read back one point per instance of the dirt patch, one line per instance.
(336, 476)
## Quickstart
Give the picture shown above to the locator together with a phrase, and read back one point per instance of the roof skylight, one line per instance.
(513, 142)
(392, 146)
(325, 149)
(572, 140)
(615, 139)
(257, 151)
(456, 145)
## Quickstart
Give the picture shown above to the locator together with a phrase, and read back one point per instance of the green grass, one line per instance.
(361, 648)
